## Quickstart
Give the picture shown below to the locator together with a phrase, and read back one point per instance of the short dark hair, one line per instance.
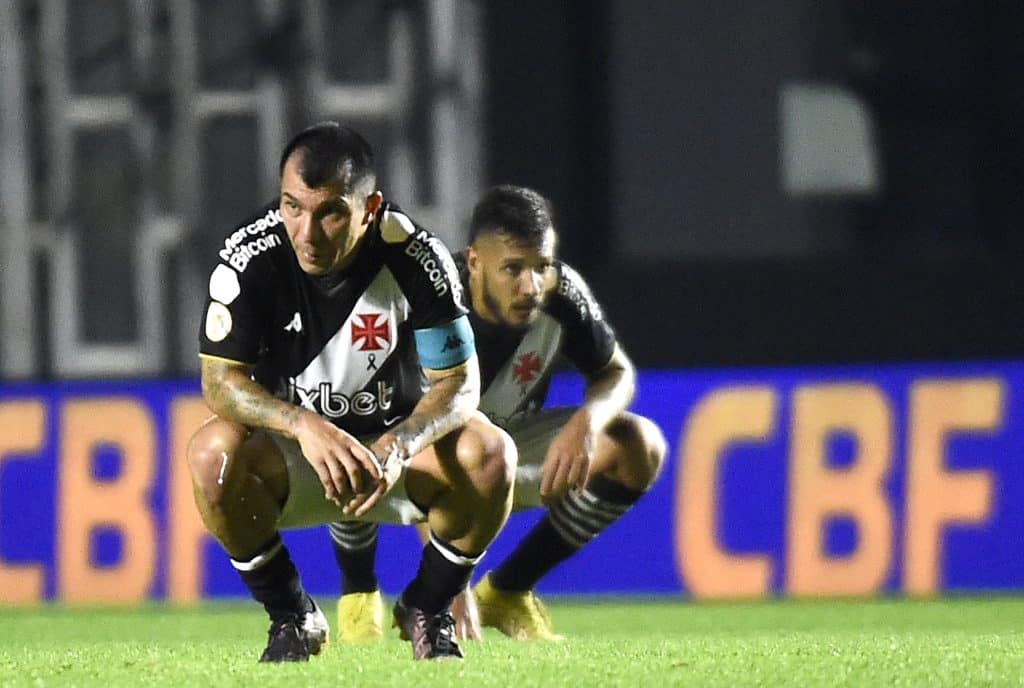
(331, 152)
(519, 212)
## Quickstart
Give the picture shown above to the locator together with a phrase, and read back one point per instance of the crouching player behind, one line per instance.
(324, 314)
(586, 465)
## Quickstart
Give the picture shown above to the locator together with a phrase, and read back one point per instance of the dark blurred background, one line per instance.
(741, 183)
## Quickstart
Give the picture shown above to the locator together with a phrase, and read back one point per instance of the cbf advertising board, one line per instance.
(853, 481)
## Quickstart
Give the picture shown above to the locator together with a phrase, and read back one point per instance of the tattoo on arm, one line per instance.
(231, 393)
(448, 404)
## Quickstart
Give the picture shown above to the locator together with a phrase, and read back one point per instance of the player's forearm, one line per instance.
(446, 406)
(232, 394)
(610, 391)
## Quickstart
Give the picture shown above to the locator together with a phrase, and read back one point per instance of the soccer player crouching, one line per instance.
(325, 312)
(586, 465)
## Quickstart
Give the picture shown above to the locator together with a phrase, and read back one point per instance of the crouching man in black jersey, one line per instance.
(586, 465)
(329, 314)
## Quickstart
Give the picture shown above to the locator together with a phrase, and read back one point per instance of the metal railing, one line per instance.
(429, 102)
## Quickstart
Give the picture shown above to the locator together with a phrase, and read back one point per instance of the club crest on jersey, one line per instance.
(374, 335)
(526, 368)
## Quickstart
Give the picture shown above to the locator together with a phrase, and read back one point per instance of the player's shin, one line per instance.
(423, 612)
(273, 580)
(355, 549)
(568, 525)
(298, 629)
(444, 572)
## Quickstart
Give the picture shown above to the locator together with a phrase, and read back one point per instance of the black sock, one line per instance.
(540, 551)
(274, 581)
(443, 574)
(355, 550)
(567, 526)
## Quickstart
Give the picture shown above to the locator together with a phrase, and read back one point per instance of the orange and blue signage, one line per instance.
(803, 482)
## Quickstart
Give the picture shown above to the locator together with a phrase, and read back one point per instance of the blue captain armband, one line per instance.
(446, 345)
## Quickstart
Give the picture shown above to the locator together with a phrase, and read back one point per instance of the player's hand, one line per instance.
(567, 464)
(345, 467)
(467, 616)
(391, 457)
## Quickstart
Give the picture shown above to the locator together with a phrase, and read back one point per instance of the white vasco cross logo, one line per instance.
(295, 325)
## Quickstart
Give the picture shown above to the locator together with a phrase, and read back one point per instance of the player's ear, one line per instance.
(472, 259)
(373, 202)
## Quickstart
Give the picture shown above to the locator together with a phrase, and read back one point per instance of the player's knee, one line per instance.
(655, 447)
(204, 463)
(209, 456)
(644, 448)
(488, 454)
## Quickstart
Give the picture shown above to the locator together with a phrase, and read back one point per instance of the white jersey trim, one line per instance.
(333, 383)
(513, 384)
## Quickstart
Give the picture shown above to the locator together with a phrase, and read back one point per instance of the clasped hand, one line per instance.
(567, 463)
(354, 476)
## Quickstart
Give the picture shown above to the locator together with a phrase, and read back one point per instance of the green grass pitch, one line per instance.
(952, 642)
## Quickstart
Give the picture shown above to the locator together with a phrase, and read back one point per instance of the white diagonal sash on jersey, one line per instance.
(347, 365)
(505, 395)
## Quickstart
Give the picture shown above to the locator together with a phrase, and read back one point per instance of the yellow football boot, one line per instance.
(361, 617)
(519, 615)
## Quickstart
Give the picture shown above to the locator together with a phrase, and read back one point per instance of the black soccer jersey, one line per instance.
(348, 346)
(516, 365)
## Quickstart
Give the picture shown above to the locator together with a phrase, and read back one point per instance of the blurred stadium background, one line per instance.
(834, 187)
